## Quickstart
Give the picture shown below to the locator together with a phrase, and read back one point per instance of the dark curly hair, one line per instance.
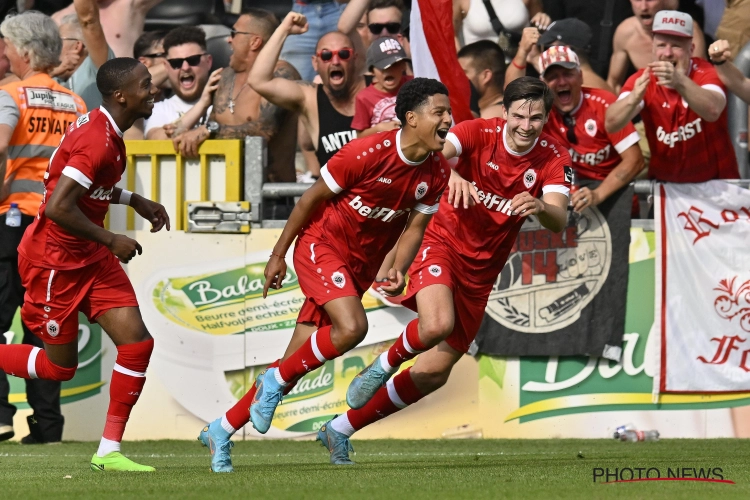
(415, 93)
(115, 73)
(183, 35)
(527, 89)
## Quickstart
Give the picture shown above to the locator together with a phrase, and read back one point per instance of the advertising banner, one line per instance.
(703, 287)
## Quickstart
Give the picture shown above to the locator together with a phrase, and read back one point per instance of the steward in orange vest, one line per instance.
(45, 109)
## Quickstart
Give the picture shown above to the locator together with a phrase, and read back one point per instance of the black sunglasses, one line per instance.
(192, 61)
(327, 55)
(570, 133)
(377, 28)
(233, 33)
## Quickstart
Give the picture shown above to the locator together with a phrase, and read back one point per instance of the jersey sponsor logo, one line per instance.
(549, 277)
(82, 119)
(47, 125)
(50, 99)
(590, 127)
(101, 193)
(493, 166)
(53, 329)
(592, 159)
(568, 173)
(529, 178)
(384, 213)
(384, 180)
(338, 279)
(421, 190)
(493, 201)
(337, 140)
(683, 133)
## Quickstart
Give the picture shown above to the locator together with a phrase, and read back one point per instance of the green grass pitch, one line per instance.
(388, 469)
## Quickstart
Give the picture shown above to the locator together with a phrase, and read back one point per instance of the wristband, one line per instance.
(717, 63)
(513, 62)
(125, 197)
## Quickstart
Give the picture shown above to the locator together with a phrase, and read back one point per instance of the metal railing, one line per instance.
(737, 115)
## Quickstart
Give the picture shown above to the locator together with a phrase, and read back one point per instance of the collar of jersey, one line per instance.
(510, 151)
(109, 117)
(401, 153)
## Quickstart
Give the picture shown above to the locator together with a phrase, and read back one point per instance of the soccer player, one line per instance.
(69, 263)
(372, 192)
(519, 172)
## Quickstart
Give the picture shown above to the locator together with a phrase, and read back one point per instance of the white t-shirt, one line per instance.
(169, 110)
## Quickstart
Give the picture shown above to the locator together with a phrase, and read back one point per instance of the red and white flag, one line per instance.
(703, 287)
(433, 52)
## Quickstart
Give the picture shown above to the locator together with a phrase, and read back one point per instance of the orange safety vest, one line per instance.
(46, 110)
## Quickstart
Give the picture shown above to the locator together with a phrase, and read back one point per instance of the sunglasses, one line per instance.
(377, 28)
(233, 33)
(570, 133)
(344, 54)
(192, 61)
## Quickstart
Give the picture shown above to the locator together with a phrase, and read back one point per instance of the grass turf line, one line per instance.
(388, 469)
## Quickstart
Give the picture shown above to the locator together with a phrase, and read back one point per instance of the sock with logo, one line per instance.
(26, 361)
(239, 415)
(313, 354)
(128, 378)
(398, 393)
(406, 347)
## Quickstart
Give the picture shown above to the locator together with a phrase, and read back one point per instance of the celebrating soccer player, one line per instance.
(519, 172)
(372, 192)
(69, 263)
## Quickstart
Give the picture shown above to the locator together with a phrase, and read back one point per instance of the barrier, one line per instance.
(172, 179)
(737, 114)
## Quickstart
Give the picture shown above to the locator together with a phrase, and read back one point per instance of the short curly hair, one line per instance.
(415, 93)
(114, 74)
(183, 35)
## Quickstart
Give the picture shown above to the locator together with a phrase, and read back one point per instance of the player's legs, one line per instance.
(434, 324)
(429, 373)
(347, 329)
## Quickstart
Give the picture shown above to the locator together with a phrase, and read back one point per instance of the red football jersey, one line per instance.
(685, 147)
(482, 236)
(377, 188)
(597, 151)
(91, 153)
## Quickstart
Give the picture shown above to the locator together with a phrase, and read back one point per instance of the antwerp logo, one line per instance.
(421, 190)
(590, 127)
(53, 329)
(549, 278)
(338, 279)
(435, 270)
(529, 178)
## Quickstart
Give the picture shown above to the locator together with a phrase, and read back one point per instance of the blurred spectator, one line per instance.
(683, 106)
(5, 75)
(577, 122)
(601, 21)
(238, 111)
(735, 25)
(720, 53)
(149, 50)
(84, 50)
(188, 66)
(473, 21)
(322, 16)
(30, 130)
(386, 18)
(325, 109)
(570, 32)
(631, 46)
(354, 18)
(375, 108)
(483, 63)
(713, 10)
(122, 21)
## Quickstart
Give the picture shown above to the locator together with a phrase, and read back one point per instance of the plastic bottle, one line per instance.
(13, 217)
(640, 436)
(621, 430)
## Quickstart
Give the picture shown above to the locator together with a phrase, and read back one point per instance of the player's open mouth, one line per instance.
(336, 76)
(442, 133)
(187, 81)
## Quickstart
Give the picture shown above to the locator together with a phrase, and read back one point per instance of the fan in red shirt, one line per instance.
(518, 172)
(683, 106)
(577, 122)
(373, 193)
(69, 263)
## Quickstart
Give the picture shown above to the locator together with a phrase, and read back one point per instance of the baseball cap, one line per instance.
(384, 52)
(570, 31)
(672, 22)
(558, 55)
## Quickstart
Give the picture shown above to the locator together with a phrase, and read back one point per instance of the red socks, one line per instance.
(398, 393)
(407, 345)
(27, 361)
(128, 378)
(313, 354)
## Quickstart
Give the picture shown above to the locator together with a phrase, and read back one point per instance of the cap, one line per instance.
(558, 55)
(385, 52)
(672, 22)
(571, 31)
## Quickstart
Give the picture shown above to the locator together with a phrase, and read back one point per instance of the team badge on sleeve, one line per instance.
(421, 190)
(338, 279)
(53, 328)
(435, 270)
(529, 178)
(568, 173)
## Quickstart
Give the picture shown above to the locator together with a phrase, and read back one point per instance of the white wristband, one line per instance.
(125, 197)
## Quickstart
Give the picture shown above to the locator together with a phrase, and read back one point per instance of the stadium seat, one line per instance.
(172, 13)
(216, 44)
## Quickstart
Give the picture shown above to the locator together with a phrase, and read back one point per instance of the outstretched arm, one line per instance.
(351, 15)
(730, 75)
(93, 33)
